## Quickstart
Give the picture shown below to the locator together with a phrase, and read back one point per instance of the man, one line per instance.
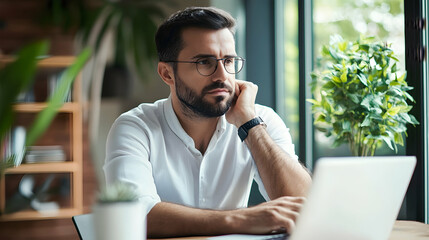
(184, 155)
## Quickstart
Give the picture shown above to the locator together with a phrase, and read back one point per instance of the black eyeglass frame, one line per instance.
(217, 59)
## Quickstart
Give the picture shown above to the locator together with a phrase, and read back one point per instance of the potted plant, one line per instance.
(118, 214)
(360, 96)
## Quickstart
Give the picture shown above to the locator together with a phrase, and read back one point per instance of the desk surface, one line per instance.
(409, 230)
(402, 230)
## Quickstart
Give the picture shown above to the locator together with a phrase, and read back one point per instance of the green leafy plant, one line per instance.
(361, 96)
(118, 192)
(16, 77)
(13, 80)
(121, 32)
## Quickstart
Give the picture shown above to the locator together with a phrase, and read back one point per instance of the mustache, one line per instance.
(216, 85)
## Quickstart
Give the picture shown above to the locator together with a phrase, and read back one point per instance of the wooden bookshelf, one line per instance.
(33, 215)
(45, 168)
(65, 131)
(37, 107)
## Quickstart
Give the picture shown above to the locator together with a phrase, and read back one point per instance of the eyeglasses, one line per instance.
(206, 66)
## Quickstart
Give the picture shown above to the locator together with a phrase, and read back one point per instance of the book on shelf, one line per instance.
(18, 144)
(26, 95)
(14, 145)
(54, 82)
(32, 94)
(39, 154)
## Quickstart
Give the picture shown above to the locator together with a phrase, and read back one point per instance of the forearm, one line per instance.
(281, 175)
(168, 219)
(172, 220)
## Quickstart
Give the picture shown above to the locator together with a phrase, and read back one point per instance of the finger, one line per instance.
(240, 81)
(296, 207)
(287, 223)
(288, 212)
(300, 200)
(237, 89)
(281, 215)
(292, 198)
(245, 84)
(290, 201)
(289, 226)
(279, 230)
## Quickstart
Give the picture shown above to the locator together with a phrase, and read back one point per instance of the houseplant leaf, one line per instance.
(360, 95)
(15, 78)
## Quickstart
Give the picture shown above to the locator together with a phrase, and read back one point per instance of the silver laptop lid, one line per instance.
(354, 198)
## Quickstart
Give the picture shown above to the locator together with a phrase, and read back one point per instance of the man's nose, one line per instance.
(220, 74)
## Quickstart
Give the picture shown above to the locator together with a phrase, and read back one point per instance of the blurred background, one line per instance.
(281, 41)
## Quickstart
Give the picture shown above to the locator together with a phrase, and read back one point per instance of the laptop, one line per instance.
(84, 226)
(351, 198)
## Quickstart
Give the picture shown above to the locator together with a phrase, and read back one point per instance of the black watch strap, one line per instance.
(243, 131)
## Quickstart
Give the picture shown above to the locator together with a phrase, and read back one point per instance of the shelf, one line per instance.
(57, 61)
(65, 130)
(47, 167)
(33, 215)
(37, 107)
(49, 62)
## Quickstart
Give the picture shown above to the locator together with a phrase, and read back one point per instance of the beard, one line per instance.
(196, 105)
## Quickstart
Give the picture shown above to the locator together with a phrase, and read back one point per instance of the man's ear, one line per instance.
(166, 72)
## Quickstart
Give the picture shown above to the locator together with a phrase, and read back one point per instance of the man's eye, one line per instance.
(203, 62)
(229, 60)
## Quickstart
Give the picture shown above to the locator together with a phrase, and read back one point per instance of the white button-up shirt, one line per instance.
(148, 148)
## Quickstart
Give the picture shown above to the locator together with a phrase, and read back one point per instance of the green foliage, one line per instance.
(118, 192)
(134, 28)
(361, 97)
(132, 22)
(16, 77)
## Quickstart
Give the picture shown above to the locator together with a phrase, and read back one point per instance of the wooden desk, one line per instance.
(402, 230)
(409, 230)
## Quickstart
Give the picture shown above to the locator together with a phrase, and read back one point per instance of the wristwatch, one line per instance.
(243, 131)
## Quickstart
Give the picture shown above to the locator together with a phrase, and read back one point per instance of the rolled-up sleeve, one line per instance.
(127, 159)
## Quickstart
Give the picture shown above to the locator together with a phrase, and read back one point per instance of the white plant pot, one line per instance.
(120, 220)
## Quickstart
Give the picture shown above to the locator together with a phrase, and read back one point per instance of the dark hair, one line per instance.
(168, 38)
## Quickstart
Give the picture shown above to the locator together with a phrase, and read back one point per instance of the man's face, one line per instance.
(205, 96)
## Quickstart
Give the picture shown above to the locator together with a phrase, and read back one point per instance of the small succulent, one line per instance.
(117, 192)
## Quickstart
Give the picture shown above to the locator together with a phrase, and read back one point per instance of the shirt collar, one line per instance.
(221, 125)
(176, 127)
(174, 124)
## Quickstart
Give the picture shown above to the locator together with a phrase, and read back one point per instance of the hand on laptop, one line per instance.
(276, 215)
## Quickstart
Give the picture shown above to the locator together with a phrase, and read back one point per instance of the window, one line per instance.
(425, 77)
(306, 25)
(381, 19)
(287, 66)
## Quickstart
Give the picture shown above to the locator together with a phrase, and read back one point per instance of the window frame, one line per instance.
(417, 140)
(260, 24)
